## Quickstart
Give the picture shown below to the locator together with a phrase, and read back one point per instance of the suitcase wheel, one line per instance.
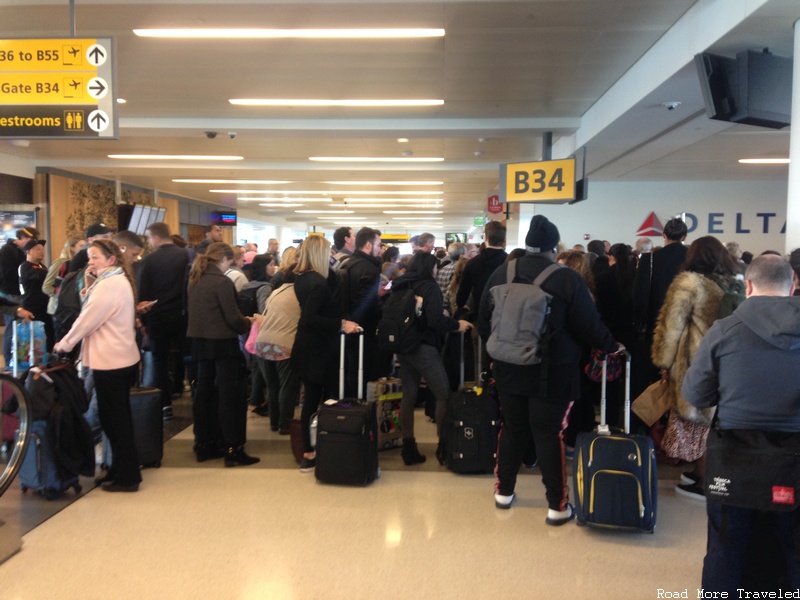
(378, 473)
(24, 488)
(78, 488)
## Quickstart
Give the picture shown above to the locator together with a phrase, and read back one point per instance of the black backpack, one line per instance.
(402, 325)
(68, 303)
(247, 300)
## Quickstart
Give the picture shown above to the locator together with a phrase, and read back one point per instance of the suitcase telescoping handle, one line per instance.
(461, 365)
(603, 428)
(360, 391)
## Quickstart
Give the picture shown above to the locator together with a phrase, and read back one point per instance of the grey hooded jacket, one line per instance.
(749, 365)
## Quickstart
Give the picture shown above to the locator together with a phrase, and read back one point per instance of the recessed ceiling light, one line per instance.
(402, 140)
(360, 103)
(291, 33)
(235, 181)
(172, 157)
(368, 159)
(764, 161)
(121, 101)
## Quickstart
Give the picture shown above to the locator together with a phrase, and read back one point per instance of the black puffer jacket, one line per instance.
(11, 257)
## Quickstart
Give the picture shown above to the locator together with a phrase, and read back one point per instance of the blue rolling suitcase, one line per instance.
(40, 470)
(616, 480)
(347, 434)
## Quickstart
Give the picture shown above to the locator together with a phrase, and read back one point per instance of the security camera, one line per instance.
(671, 105)
(232, 135)
(211, 134)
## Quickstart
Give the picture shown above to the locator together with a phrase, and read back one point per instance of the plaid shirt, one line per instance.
(443, 278)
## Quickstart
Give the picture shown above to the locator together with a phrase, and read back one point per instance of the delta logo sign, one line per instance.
(718, 223)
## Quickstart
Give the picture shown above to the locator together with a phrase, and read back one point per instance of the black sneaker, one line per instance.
(308, 464)
(695, 492)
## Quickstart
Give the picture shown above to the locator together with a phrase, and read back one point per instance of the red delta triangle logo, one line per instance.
(651, 227)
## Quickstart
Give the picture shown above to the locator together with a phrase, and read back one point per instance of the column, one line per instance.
(793, 200)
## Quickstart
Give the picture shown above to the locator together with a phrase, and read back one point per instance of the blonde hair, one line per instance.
(213, 254)
(288, 259)
(314, 255)
(67, 251)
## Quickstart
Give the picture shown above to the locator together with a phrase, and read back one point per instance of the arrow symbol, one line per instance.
(98, 121)
(96, 54)
(98, 88)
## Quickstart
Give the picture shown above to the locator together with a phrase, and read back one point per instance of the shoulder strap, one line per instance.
(540, 279)
(511, 271)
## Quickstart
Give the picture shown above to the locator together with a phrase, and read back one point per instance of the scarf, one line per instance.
(110, 272)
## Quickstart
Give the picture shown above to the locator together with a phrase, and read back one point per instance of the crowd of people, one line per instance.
(203, 303)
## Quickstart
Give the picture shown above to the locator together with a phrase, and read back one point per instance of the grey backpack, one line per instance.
(520, 318)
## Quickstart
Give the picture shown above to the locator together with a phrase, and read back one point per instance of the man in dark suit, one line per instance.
(653, 278)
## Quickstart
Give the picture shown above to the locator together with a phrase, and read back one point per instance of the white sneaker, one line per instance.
(503, 502)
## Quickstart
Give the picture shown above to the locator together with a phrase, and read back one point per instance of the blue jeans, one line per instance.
(425, 362)
(730, 529)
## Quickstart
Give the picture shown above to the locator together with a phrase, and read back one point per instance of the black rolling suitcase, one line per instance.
(148, 428)
(347, 434)
(471, 426)
(616, 480)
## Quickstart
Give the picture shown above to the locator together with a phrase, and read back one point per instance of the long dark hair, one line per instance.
(422, 263)
(258, 268)
(708, 256)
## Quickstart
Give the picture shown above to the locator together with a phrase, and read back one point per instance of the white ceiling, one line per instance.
(594, 72)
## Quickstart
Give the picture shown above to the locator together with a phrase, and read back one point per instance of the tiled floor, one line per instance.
(268, 531)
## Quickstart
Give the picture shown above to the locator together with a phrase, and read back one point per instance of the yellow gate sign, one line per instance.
(543, 181)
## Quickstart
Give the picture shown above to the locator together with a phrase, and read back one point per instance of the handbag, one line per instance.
(653, 402)
(250, 344)
(594, 369)
(752, 468)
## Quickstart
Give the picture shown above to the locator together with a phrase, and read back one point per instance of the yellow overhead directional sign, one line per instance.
(542, 181)
(53, 55)
(57, 88)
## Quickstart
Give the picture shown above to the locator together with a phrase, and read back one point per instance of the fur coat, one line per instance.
(691, 306)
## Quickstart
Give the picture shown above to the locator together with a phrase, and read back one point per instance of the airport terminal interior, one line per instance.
(283, 118)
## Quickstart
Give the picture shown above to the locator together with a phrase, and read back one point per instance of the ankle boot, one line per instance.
(410, 452)
(237, 456)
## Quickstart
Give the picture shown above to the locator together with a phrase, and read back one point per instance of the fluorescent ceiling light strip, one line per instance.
(365, 223)
(280, 205)
(359, 103)
(233, 181)
(414, 218)
(325, 212)
(413, 212)
(388, 193)
(281, 192)
(368, 159)
(335, 218)
(764, 161)
(237, 33)
(392, 201)
(172, 157)
(246, 199)
(387, 205)
(384, 182)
